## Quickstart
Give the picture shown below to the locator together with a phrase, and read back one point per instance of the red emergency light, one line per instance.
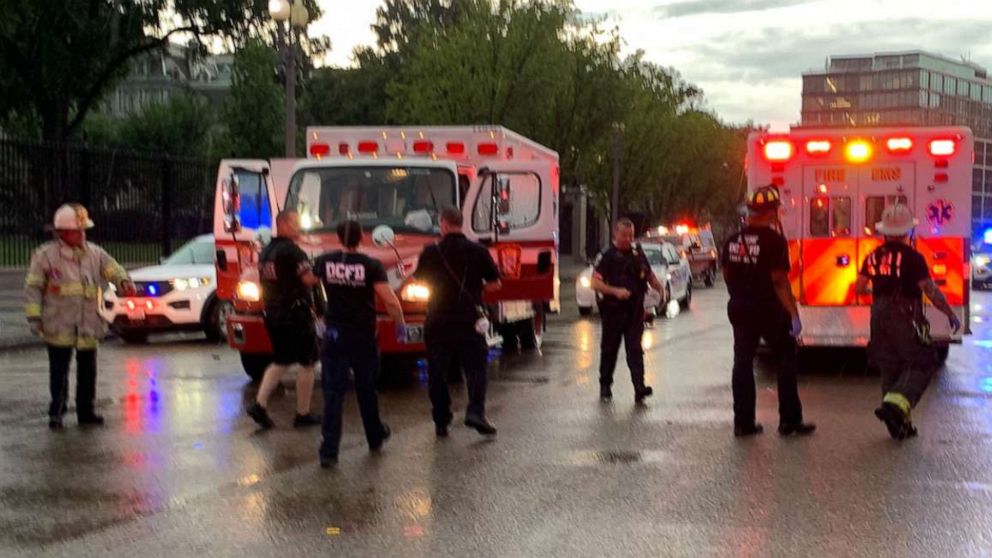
(818, 147)
(344, 149)
(320, 150)
(778, 151)
(368, 147)
(455, 148)
(942, 147)
(488, 149)
(899, 145)
(423, 147)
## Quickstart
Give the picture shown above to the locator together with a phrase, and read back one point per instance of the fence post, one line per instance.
(166, 205)
(85, 196)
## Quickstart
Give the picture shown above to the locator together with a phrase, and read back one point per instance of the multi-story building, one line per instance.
(908, 89)
(158, 75)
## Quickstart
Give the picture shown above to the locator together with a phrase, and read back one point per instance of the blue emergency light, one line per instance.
(987, 237)
(152, 290)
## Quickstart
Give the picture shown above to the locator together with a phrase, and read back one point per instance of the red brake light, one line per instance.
(343, 149)
(942, 147)
(818, 147)
(488, 149)
(455, 148)
(320, 150)
(423, 147)
(368, 147)
(778, 150)
(899, 145)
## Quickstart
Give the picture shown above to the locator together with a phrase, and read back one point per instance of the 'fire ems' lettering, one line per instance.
(829, 175)
(886, 174)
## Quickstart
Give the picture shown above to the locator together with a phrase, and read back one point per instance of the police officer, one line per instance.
(353, 281)
(756, 270)
(897, 276)
(621, 275)
(457, 271)
(62, 297)
(287, 279)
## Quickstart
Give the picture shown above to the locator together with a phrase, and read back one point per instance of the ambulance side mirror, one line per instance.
(383, 236)
(231, 202)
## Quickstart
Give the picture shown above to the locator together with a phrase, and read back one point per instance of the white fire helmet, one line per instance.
(72, 217)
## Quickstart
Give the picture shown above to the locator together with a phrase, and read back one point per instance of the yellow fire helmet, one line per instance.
(765, 198)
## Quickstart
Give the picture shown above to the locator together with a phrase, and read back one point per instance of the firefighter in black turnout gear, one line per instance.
(897, 277)
(621, 275)
(756, 270)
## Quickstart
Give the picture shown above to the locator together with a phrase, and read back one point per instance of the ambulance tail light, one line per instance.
(939, 270)
(368, 147)
(818, 147)
(858, 151)
(423, 147)
(899, 145)
(778, 151)
(344, 149)
(455, 148)
(320, 150)
(942, 147)
(488, 149)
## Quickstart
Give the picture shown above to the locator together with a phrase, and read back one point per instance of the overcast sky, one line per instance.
(748, 55)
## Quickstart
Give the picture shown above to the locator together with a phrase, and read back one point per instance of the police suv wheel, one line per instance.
(255, 365)
(686, 301)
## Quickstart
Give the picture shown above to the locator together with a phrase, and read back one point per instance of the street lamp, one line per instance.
(295, 17)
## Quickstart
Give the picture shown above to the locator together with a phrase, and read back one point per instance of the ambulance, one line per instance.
(835, 183)
(395, 181)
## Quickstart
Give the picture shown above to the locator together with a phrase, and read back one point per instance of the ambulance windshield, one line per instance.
(407, 198)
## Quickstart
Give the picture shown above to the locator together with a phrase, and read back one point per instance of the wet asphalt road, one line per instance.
(181, 471)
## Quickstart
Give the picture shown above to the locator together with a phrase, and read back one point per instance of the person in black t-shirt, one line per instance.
(458, 271)
(621, 274)
(287, 279)
(756, 269)
(897, 276)
(352, 282)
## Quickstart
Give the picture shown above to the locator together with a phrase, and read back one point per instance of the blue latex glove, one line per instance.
(797, 326)
(400, 331)
(955, 323)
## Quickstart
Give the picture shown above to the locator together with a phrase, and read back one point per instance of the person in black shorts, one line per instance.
(287, 281)
(897, 277)
(756, 270)
(457, 270)
(353, 282)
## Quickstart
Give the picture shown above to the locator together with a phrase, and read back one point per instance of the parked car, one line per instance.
(700, 248)
(178, 295)
(671, 268)
(981, 267)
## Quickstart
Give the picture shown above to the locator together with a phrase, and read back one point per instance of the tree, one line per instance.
(59, 57)
(179, 126)
(254, 115)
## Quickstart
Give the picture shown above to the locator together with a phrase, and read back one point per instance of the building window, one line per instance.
(988, 181)
(976, 92)
(936, 81)
(976, 180)
(950, 85)
(962, 88)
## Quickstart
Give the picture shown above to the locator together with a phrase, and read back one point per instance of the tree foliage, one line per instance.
(254, 116)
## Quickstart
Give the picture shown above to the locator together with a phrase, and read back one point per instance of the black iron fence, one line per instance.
(144, 205)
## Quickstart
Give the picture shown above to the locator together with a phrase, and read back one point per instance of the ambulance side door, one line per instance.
(244, 217)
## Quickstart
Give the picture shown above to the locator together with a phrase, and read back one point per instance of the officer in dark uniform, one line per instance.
(897, 277)
(287, 279)
(756, 270)
(352, 281)
(621, 275)
(457, 271)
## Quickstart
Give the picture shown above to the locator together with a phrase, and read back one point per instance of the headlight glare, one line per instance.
(415, 292)
(249, 291)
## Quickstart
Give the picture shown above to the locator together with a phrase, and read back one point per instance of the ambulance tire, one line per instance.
(531, 331)
(255, 365)
(585, 310)
(397, 370)
(509, 331)
(942, 353)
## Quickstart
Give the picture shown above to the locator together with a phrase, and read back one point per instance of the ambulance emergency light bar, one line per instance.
(855, 150)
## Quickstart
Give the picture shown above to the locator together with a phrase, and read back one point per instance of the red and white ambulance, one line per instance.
(835, 184)
(400, 179)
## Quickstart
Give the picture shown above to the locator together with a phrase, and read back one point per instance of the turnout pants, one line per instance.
(360, 354)
(450, 345)
(621, 323)
(59, 359)
(905, 363)
(753, 322)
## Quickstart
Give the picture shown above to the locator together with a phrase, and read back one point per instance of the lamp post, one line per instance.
(295, 17)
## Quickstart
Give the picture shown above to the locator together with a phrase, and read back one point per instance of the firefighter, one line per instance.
(353, 282)
(897, 277)
(287, 279)
(621, 275)
(458, 270)
(62, 297)
(756, 270)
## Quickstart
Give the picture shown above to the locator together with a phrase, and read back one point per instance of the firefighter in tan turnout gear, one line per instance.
(62, 292)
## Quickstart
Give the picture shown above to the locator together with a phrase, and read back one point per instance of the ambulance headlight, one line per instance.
(415, 292)
(983, 260)
(249, 291)
(585, 282)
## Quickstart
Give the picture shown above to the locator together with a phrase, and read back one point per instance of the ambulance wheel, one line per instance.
(585, 310)
(942, 353)
(255, 365)
(509, 333)
(532, 331)
(686, 301)
(134, 337)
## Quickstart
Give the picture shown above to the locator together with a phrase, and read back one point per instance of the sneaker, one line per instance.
(605, 393)
(386, 433)
(328, 462)
(55, 423)
(744, 431)
(260, 416)
(302, 421)
(480, 424)
(894, 420)
(642, 394)
(90, 420)
(798, 428)
(441, 430)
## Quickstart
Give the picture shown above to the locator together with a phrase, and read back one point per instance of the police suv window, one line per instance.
(525, 202)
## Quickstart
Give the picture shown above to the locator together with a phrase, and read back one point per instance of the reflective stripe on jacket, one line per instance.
(63, 289)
